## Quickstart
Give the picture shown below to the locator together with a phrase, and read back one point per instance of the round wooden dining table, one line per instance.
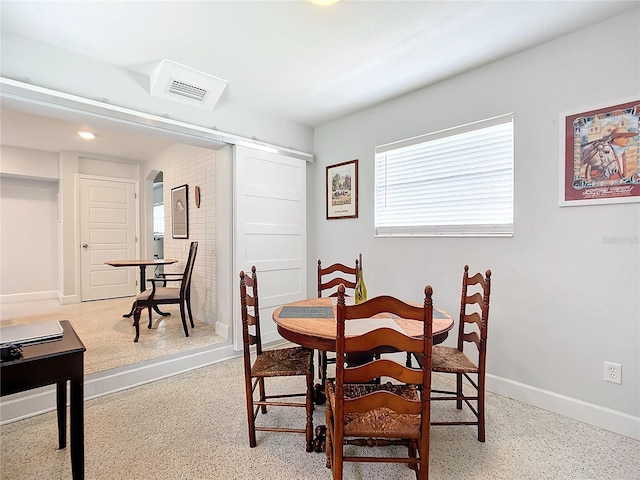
(315, 328)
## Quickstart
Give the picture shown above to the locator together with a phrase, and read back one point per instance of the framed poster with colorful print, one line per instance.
(600, 160)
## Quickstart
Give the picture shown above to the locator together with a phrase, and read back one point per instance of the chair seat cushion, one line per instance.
(449, 359)
(381, 422)
(162, 293)
(282, 362)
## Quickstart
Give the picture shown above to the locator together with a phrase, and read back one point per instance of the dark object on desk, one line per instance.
(54, 362)
(472, 328)
(152, 297)
(369, 415)
(11, 352)
(284, 362)
(329, 278)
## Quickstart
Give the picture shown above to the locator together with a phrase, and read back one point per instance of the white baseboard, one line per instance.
(68, 299)
(222, 329)
(41, 400)
(596, 415)
(28, 297)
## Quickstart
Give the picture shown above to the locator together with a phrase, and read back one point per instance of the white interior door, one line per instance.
(270, 232)
(107, 232)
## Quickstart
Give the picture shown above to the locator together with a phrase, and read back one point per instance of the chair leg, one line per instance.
(423, 467)
(309, 407)
(250, 417)
(184, 320)
(150, 319)
(459, 391)
(189, 310)
(481, 432)
(321, 365)
(338, 457)
(328, 441)
(263, 395)
(136, 320)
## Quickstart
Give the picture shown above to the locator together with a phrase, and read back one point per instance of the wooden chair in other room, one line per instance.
(472, 329)
(285, 362)
(366, 414)
(329, 278)
(156, 295)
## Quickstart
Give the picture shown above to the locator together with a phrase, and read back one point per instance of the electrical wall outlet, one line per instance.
(612, 372)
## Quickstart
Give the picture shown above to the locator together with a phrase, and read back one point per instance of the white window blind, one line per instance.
(455, 182)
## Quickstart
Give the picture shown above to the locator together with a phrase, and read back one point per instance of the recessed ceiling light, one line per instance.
(324, 3)
(86, 135)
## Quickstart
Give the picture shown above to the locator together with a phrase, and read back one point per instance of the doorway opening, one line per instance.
(158, 221)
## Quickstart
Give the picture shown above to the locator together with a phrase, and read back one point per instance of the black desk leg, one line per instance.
(61, 404)
(77, 425)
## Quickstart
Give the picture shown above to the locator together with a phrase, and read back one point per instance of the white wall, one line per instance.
(28, 238)
(25, 162)
(193, 166)
(29, 243)
(565, 298)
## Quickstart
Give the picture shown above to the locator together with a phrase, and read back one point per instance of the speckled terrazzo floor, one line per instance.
(108, 336)
(193, 426)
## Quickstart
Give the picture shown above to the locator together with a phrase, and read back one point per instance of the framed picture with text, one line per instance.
(342, 190)
(180, 212)
(600, 159)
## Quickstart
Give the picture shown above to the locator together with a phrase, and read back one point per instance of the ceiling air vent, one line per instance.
(187, 90)
(185, 85)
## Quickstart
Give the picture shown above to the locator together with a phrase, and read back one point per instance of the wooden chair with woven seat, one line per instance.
(154, 296)
(366, 414)
(329, 278)
(285, 362)
(472, 329)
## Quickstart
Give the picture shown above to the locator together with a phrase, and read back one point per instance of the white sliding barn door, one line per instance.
(270, 232)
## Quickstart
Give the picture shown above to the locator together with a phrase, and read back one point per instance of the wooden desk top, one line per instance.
(320, 333)
(138, 263)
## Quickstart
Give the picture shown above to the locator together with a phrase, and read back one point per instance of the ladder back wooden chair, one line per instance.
(329, 278)
(468, 365)
(365, 414)
(163, 295)
(263, 364)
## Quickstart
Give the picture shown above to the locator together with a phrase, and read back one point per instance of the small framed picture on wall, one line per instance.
(342, 190)
(180, 212)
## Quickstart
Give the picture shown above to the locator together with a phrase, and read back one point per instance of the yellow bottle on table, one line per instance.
(361, 289)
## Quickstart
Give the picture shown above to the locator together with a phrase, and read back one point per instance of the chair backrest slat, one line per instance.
(474, 311)
(329, 278)
(249, 301)
(364, 373)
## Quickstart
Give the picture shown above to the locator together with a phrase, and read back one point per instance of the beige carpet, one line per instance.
(194, 426)
(108, 336)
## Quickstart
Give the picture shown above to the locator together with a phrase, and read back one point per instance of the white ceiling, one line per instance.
(302, 62)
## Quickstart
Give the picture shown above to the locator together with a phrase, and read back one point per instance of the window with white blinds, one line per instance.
(455, 182)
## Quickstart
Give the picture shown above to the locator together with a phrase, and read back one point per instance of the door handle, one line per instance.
(84, 245)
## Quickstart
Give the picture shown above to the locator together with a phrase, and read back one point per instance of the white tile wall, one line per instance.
(194, 166)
